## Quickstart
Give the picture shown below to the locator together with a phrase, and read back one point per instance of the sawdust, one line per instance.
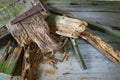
(49, 72)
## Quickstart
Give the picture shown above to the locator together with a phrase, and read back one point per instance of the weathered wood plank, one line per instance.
(90, 7)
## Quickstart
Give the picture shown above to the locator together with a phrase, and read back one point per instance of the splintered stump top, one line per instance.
(33, 29)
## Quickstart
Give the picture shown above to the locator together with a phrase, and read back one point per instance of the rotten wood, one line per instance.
(102, 46)
(31, 62)
(92, 25)
(66, 26)
(34, 29)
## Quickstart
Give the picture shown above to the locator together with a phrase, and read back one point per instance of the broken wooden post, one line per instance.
(33, 29)
(31, 26)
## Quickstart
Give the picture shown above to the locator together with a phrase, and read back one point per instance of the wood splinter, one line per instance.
(102, 46)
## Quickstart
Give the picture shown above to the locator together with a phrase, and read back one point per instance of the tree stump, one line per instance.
(34, 29)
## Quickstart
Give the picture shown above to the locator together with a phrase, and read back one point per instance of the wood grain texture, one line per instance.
(34, 29)
(99, 67)
(104, 47)
(65, 26)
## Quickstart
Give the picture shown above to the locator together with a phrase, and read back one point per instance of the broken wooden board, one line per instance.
(65, 26)
(92, 24)
(102, 46)
(31, 61)
(9, 56)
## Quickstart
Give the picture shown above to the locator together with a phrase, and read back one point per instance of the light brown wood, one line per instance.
(69, 27)
(34, 29)
(102, 46)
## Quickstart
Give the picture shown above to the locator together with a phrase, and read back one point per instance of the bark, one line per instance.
(102, 46)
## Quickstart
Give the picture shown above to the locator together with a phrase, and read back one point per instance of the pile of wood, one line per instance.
(39, 37)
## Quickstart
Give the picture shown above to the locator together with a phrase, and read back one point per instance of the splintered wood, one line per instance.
(74, 28)
(111, 53)
(34, 29)
(31, 62)
(66, 26)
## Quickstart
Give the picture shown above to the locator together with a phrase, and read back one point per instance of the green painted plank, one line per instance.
(13, 10)
(7, 66)
(10, 12)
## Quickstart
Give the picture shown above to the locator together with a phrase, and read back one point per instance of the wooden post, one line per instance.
(34, 29)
